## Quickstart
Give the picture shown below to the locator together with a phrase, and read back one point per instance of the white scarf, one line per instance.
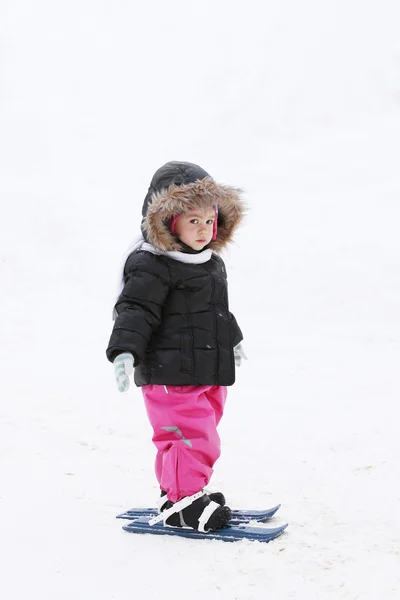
(139, 242)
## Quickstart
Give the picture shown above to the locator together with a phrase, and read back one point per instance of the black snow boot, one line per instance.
(217, 497)
(202, 514)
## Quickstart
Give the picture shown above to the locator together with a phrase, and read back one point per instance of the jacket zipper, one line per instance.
(215, 326)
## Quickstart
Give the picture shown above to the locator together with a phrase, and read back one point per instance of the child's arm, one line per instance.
(236, 332)
(139, 307)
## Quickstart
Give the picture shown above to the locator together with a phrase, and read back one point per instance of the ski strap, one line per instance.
(162, 500)
(177, 507)
(206, 514)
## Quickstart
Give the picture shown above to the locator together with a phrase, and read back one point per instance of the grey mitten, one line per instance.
(239, 354)
(123, 368)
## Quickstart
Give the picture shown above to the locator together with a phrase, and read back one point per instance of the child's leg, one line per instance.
(184, 420)
(217, 397)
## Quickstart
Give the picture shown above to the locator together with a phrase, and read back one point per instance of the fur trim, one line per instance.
(180, 199)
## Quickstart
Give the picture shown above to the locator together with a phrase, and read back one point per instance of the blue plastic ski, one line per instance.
(230, 533)
(238, 516)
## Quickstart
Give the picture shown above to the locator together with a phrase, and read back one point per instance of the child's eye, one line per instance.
(210, 221)
(194, 221)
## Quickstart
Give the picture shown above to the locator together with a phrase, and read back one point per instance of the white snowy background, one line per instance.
(299, 104)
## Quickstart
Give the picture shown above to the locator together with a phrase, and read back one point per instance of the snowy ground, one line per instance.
(298, 103)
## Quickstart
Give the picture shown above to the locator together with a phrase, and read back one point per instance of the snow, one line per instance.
(298, 103)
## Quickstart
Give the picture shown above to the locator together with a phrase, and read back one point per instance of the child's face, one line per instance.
(195, 229)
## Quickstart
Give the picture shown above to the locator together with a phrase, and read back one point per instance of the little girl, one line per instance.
(174, 329)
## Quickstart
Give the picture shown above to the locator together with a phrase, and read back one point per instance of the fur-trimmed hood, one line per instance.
(178, 187)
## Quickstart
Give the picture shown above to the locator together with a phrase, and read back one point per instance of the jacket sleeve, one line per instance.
(236, 333)
(139, 306)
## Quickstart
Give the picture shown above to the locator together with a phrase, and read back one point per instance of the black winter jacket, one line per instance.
(174, 316)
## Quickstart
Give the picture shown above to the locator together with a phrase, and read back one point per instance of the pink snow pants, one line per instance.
(184, 420)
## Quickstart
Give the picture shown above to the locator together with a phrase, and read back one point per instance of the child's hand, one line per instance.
(239, 354)
(123, 368)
